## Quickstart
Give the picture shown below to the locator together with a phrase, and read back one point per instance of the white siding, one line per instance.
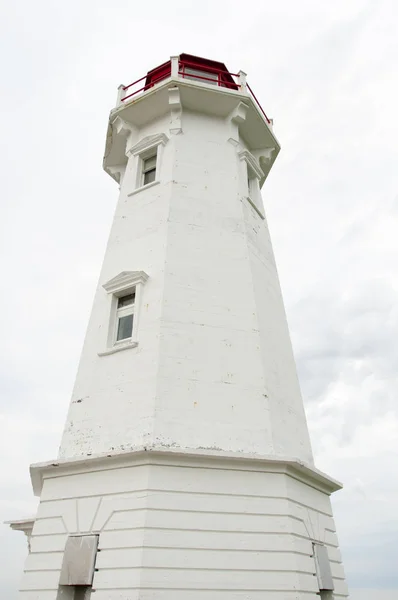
(194, 530)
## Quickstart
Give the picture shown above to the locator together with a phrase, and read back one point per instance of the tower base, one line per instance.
(185, 525)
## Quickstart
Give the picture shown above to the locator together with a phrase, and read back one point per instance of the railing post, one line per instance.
(242, 81)
(174, 65)
(120, 95)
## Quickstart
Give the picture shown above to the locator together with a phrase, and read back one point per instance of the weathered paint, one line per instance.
(214, 366)
(162, 450)
(178, 526)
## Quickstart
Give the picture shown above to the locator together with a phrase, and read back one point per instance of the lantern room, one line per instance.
(190, 83)
(194, 68)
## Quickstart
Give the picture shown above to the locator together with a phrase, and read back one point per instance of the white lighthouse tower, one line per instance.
(185, 470)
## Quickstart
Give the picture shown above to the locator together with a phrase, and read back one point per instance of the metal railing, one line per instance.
(188, 70)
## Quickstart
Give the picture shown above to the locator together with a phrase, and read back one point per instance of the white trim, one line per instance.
(205, 458)
(143, 150)
(120, 346)
(124, 280)
(251, 162)
(122, 284)
(120, 312)
(24, 525)
(147, 143)
(144, 187)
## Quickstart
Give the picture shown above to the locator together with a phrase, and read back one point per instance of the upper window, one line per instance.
(147, 157)
(124, 317)
(149, 169)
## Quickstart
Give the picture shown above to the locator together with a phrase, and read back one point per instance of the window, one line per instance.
(149, 169)
(124, 293)
(146, 160)
(124, 317)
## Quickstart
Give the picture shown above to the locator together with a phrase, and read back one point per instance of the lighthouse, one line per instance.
(185, 469)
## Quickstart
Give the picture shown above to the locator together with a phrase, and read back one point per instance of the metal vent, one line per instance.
(79, 560)
(323, 571)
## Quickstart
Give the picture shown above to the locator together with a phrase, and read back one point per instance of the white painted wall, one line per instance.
(214, 366)
(175, 528)
(213, 372)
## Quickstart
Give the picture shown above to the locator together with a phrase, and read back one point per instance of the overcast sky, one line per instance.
(327, 73)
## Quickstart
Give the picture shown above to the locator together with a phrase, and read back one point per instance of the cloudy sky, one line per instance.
(327, 73)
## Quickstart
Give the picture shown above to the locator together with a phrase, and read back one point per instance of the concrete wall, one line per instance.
(214, 366)
(186, 529)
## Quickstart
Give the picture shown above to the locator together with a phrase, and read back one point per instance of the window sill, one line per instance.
(143, 187)
(118, 348)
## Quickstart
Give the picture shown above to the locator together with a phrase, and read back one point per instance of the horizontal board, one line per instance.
(207, 502)
(308, 496)
(95, 483)
(203, 539)
(203, 521)
(67, 509)
(37, 595)
(52, 525)
(126, 519)
(183, 594)
(40, 580)
(337, 570)
(331, 539)
(204, 559)
(340, 587)
(205, 579)
(38, 561)
(48, 543)
(223, 481)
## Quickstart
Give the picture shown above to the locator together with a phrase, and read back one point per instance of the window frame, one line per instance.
(127, 282)
(124, 311)
(146, 148)
(151, 169)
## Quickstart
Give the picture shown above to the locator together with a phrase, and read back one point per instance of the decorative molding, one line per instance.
(175, 110)
(125, 280)
(203, 458)
(236, 118)
(147, 143)
(24, 525)
(266, 158)
(122, 127)
(117, 172)
(251, 162)
(238, 115)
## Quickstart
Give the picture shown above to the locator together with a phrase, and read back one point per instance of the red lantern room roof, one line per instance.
(196, 68)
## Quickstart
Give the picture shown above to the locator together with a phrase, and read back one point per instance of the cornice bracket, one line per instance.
(175, 110)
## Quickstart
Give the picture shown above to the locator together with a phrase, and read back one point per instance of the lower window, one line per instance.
(124, 317)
